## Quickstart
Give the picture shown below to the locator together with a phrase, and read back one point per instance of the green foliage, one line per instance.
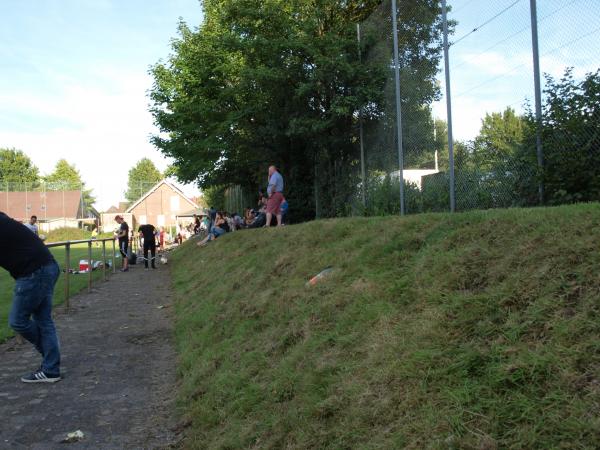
(424, 336)
(499, 141)
(571, 139)
(279, 82)
(383, 196)
(17, 167)
(67, 234)
(142, 177)
(214, 197)
(66, 176)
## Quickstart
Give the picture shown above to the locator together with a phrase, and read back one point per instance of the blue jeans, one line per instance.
(216, 232)
(31, 314)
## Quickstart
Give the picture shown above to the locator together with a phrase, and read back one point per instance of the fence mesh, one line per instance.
(63, 204)
(491, 62)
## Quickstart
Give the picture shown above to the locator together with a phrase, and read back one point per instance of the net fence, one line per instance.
(506, 152)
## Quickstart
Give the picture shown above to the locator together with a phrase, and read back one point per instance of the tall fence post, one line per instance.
(360, 131)
(90, 267)
(538, 97)
(67, 272)
(449, 107)
(104, 259)
(398, 106)
(113, 257)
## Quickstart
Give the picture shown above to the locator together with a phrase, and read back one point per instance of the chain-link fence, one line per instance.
(56, 205)
(508, 146)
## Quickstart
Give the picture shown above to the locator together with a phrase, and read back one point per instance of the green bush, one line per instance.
(68, 234)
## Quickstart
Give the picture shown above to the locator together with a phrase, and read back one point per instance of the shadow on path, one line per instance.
(118, 367)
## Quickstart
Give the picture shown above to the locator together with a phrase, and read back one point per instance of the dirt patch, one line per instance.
(119, 366)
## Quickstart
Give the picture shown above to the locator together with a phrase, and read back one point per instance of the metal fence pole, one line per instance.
(104, 259)
(538, 96)
(360, 130)
(398, 107)
(449, 108)
(90, 267)
(113, 257)
(67, 272)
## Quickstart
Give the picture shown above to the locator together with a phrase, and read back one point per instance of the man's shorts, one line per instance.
(123, 245)
(274, 203)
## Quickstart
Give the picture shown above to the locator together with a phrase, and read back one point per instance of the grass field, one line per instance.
(77, 282)
(469, 331)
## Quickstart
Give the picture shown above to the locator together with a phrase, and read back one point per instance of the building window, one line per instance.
(143, 220)
(174, 203)
(161, 220)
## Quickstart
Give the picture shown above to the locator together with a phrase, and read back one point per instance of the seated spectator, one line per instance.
(249, 216)
(262, 202)
(284, 211)
(260, 219)
(238, 222)
(196, 224)
(218, 229)
(205, 223)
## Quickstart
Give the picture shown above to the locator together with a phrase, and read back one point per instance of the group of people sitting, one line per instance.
(221, 222)
(270, 206)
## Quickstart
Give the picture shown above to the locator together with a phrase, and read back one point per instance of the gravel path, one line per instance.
(118, 364)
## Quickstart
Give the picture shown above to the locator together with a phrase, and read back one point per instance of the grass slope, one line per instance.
(478, 330)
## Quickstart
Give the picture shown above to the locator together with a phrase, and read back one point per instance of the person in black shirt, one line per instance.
(123, 236)
(148, 233)
(35, 271)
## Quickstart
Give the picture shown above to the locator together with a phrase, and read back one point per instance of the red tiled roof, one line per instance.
(45, 205)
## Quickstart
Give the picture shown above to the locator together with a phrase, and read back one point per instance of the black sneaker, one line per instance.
(125, 270)
(40, 376)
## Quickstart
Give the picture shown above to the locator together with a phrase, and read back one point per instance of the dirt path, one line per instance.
(118, 364)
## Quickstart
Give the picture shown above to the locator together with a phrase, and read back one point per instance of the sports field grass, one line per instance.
(77, 282)
(478, 330)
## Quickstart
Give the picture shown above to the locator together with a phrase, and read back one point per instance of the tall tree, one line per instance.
(142, 177)
(500, 138)
(17, 168)
(280, 82)
(66, 176)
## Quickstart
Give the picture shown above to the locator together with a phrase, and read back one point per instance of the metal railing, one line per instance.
(67, 264)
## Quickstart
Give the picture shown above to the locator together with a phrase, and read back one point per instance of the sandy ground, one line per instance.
(118, 367)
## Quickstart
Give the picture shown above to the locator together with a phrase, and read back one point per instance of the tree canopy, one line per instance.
(66, 176)
(142, 177)
(279, 82)
(17, 167)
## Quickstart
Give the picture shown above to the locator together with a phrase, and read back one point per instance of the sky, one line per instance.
(73, 83)
(74, 73)
(492, 68)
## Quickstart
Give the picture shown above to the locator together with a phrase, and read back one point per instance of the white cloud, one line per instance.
(104, 130)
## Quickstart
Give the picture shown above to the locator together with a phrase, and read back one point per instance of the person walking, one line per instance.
(35, 271)
(275, 194)
(123, 236)
(148, 232)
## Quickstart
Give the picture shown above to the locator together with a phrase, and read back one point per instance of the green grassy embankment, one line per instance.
(77, 282)
(478, 330)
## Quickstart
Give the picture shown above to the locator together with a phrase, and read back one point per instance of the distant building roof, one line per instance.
(113, 209)
(155, 187)
(45, 205)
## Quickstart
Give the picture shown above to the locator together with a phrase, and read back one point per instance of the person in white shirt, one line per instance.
(32, 225)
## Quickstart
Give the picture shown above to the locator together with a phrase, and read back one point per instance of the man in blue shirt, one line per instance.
(275, 194)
